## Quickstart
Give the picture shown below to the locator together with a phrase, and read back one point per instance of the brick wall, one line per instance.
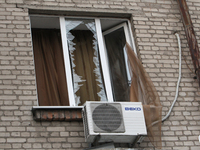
(155, 22)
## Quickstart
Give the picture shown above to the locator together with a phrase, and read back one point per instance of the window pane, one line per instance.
(115, 44)
(85, 64)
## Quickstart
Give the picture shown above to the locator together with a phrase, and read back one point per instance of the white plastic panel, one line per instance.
(133, 120)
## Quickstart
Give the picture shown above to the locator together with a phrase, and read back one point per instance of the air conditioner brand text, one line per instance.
(132, 108)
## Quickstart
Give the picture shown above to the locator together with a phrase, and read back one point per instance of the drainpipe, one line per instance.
(191, 38)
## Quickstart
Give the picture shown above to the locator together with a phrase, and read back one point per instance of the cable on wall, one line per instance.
(179, 79)
(177, 88)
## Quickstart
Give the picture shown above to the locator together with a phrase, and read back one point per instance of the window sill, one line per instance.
(57, 113)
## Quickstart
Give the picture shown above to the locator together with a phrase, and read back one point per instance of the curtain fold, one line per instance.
(143, 90)
(49, 68)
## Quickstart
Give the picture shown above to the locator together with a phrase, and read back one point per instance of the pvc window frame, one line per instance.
(128, 40)
(102, 54)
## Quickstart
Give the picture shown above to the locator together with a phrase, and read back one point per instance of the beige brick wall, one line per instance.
(155, 22)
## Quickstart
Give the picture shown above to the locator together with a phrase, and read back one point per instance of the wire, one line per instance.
(177, 88)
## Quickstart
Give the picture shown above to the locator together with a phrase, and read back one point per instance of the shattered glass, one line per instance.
(73, 25)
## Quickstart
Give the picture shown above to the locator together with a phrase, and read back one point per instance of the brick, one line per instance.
(100, 6)
(9, 107)
(15, 134)
(117, 6)
(84, 5)
(188, 143)
(2, 140)
(192, 128)
(5, 145)
(67, 4)
(30, 129)
(54, 134)
(56, 140)
(8, 98)
(25, 134)
(76, 145)
(74, 128)
(16, 140)
(14, 1)
(142, 27)
(16, 129)
(3, 118)
(149, 1)
(47, 145)
(65, 134)
(67, 115)
(55, 128)
(36, 140)
(66, 145)
(55, 145)
(74, 134)
(75, 139)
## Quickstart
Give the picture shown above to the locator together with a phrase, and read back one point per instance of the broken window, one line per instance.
(78, 60)
(92, 55)
(85, 63)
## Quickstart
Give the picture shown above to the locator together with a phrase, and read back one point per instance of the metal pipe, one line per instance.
(191, 38)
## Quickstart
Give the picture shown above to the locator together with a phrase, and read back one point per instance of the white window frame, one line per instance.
(102, 54)
(104, 61)
(67, 62)
(128, 39)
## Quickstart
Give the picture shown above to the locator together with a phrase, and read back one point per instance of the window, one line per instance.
(80, 59)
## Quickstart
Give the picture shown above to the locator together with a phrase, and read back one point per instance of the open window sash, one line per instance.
(115, 44)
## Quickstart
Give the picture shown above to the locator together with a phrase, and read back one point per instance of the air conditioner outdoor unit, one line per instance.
(117, 122)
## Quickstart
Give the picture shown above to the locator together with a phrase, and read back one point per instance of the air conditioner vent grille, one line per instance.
(107, 118)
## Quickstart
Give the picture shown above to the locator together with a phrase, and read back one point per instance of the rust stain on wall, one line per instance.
(191, 38)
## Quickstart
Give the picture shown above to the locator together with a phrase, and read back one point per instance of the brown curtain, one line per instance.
(49, 68)
(84, 65)
(143, 90)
